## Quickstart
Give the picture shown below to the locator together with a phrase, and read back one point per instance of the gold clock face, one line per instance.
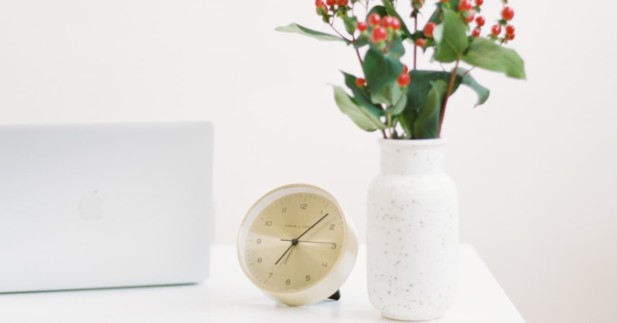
(293, 242)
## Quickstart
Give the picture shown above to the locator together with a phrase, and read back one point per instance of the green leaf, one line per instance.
(391, 11)
(420, 86)
(486, 54)
(454, 3)
(350, 24)
(295, 28)
(436, 15)
(361, 41)
(361, 95)
(360, 116)
(417, 92)
(397, 50)
(426, 125)
(380, 70)
(451, 38)
(482, 92)
(389, 95)
(399, 105)
(407, 120)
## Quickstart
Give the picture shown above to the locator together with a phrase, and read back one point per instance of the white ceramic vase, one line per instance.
(412, 235)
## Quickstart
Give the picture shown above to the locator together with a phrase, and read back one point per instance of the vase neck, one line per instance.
(412, 157)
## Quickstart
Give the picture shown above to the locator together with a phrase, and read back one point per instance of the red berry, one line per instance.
(507, 13)
(360, 82)
(510, 36)
(480, 21)
(476, 33)
(510, 29)
(342, 3)
(396, 24)
(330, 2)
(379, 34)
(479, 2)
(387, 21)
(374, 19)
(362, 26)
(496, 30)
(465, 5)
(405, 69)
(469, 16)
(420, 42)
(403, 80)
(318, 3)
(391, 22)
(428, 29)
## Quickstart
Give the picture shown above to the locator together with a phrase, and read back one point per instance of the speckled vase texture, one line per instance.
(412, 232)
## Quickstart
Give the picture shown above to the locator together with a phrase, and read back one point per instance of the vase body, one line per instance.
(412, 235)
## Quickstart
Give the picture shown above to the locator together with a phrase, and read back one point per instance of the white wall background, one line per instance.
(535, 166)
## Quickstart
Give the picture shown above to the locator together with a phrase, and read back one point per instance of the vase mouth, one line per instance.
(436, 142)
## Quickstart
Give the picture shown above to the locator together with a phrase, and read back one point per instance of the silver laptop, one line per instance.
(104, 205)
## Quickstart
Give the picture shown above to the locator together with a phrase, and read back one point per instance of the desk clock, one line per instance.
(296, 245)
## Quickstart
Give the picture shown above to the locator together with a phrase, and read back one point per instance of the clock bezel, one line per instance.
(339, 271)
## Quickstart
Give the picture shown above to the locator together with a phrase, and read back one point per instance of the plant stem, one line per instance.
(353, 43)
(336, 31)
(444, 104)
(415, 47)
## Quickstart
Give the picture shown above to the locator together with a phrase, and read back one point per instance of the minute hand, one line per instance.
(312, 226)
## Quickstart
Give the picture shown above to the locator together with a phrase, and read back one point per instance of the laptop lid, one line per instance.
(104, 205)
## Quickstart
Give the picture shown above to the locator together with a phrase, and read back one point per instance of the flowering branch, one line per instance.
(411, 104)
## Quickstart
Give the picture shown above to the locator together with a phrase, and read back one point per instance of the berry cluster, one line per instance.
(382, 28)
(468, 12)
(323, 8)
(507, 14)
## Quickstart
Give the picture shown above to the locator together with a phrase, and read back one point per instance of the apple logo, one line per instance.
(90, 207)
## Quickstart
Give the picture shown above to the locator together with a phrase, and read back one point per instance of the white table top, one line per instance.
(228, 296)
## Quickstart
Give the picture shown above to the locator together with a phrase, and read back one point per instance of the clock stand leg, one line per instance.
(336, 296)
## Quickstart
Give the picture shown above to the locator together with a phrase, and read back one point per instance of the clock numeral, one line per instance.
(258, 241)
(288, 282)
(284, 210)
(260, 260)
(270, 275)
(332, 226)
(303, 206)
(308, 278)
(268, 223)
(333, 245)
(325, 264)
